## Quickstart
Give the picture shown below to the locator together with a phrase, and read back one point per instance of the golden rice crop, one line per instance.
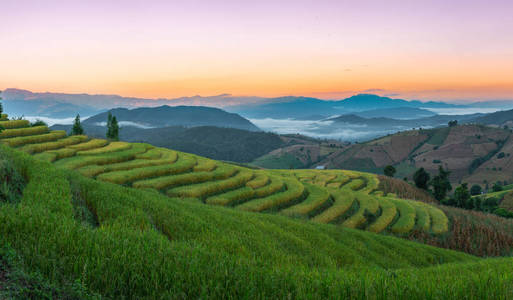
(275, 185)
(76, 162)
(201, 190)
(92, 144)
(343, 201)
(294, 190)
(123, 177)
(95, 170)
(439, 221)
(406, 220)
(423, 218)
(41, 147)
(112, 147)
(366, 203)
(230, 197)
(259, 181)
(222, 172)
(316, 197)
(32, 139)
(388, 213)
(11, 124)
(205, 165)
(19, 132)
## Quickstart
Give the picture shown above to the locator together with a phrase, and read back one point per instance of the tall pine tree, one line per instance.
(77, 127)
(112, 128)
(109, 125)
(115, 129)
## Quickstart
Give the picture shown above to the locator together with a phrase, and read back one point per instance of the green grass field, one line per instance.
(157, 237)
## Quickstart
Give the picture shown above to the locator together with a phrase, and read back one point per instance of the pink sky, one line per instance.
(449, 50)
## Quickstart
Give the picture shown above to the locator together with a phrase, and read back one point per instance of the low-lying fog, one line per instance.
(324, 129)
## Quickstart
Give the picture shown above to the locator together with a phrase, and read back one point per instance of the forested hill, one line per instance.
(187, 116)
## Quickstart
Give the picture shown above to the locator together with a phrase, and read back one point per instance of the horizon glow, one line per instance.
(427, 50)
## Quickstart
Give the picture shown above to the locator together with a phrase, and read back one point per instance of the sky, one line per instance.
(429, 50)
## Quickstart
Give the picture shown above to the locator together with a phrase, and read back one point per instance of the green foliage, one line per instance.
(475, 190)
(421, 179)
(441, 184)
(503, 212)
(17, 283)
(497, 187)
(38, 123)
(11, 181)
(453, 123)
(389, 171)
(462, 197)
(77, 128)
(112, 128)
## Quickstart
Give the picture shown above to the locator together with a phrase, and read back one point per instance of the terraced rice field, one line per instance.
(345, 198)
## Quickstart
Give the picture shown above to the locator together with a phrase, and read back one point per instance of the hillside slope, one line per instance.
(165, 116)
(119, 242)
(188, 244)
(471, 152)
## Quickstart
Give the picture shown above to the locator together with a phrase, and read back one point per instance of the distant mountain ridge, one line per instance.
(186, 116)
(301, 107)
(61, 105)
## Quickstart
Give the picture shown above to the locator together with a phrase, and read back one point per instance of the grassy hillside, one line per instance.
(346, 198)
(158, 239)
(123, 242)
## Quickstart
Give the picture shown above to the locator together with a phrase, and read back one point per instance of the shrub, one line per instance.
(421, 178)
(38, 123)
(475, 190)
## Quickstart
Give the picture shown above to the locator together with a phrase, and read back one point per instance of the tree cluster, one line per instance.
(440, 183)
